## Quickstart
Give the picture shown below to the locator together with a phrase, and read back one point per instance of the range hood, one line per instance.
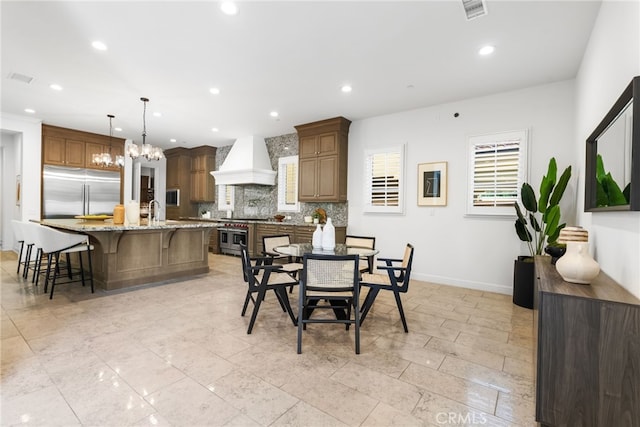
(247, 163)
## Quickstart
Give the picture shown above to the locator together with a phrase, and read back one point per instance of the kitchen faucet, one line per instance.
(156, 210)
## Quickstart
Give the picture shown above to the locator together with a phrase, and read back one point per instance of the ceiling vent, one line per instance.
(474, 8)
(21, 78)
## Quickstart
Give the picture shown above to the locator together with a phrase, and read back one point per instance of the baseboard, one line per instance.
(479, 286)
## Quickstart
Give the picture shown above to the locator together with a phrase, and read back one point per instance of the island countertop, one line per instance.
(83, 226)
(133, 255)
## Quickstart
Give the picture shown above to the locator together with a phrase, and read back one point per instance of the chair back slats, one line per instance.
(330, 274)
(360, 241)
(272, 242)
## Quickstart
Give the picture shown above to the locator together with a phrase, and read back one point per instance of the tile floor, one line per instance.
(177, 354)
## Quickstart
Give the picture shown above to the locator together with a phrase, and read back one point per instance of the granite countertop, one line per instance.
(93, 225)
(255, 221)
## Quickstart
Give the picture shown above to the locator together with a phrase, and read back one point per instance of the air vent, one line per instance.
(474, 8)
(21, 77)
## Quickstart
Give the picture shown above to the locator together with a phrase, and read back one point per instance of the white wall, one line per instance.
(611, 60)
(451, 248)
(28, 142)
(10, 147)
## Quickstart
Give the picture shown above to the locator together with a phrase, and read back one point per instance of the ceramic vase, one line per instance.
(577, 265)
(118, 215)
(317, 238)
(328, 236)
(132, 213)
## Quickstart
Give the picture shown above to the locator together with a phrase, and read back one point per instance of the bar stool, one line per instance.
(19, 236)
(53, 243)
(26, 239)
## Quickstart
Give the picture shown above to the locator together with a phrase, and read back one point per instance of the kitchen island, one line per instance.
(133, 255)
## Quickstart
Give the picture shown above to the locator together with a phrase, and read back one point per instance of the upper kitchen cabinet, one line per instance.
(203, 185)
(74, 148)
(322, 153)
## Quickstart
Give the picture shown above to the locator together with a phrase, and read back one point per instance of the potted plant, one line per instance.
(538, 224)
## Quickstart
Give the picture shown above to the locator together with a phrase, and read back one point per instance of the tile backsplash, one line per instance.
(261, 201)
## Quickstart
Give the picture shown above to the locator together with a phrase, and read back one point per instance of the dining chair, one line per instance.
(53, 243)
(366, 262)
(269, 243)
(388, 277)
(329, 282)
(257, 274)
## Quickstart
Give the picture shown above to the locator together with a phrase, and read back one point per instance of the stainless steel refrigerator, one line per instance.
(67, 192)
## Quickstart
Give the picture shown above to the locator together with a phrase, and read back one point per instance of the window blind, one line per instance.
(384, 171)
(497, 167)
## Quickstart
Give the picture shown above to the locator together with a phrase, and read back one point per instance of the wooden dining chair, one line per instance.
(366, 262)
(388, 277)
(260, 277)
(329, 282)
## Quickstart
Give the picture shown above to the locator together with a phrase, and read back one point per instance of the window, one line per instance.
(288, 184)
(226, 195)
(497, 169)
(384, 180)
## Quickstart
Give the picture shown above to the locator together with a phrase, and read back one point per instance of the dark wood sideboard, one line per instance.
(588, 351)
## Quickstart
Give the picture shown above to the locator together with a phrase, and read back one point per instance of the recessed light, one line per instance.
(157, 114)
(214, 91)
(118, 129)
(172, 140)
(29, 110)
(346, 88)
(98, 45)
(229, 8)
(486, 50)
(274, 114)
(55, 86)
(214, 129)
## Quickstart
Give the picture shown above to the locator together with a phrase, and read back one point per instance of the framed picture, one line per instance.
(18, 189)
(432, 184)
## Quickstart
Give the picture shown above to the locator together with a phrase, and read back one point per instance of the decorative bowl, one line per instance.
(278, 218)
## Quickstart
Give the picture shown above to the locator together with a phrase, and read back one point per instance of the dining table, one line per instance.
(299, 250)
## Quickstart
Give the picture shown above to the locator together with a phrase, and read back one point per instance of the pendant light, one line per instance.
(105, 159)
(146, 150)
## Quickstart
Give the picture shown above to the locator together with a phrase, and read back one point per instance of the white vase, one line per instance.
(328, 236)
(577, 265)
(317, 238)
(132, 213)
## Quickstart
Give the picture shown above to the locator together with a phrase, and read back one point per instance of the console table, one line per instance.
(588, 351)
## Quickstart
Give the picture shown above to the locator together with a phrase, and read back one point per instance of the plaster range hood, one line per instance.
(248, 162)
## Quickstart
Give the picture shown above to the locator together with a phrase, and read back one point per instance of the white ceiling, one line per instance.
(288, 56)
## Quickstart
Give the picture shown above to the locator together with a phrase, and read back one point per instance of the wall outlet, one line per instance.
(287, 217)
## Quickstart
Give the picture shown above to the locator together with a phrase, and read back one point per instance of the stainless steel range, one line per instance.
(231, 235)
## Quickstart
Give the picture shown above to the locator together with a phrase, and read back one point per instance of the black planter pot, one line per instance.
(523, 276)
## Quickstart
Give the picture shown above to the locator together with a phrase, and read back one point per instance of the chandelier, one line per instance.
(146, 151)
(105, 159)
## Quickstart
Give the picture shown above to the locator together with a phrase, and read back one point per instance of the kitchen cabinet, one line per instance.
(203, 161)
(214, 242)
(322, 160)
(179, 178)
(74, 148)
(586, 339)
(63, 152)
(304, 233)
(271, 230)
